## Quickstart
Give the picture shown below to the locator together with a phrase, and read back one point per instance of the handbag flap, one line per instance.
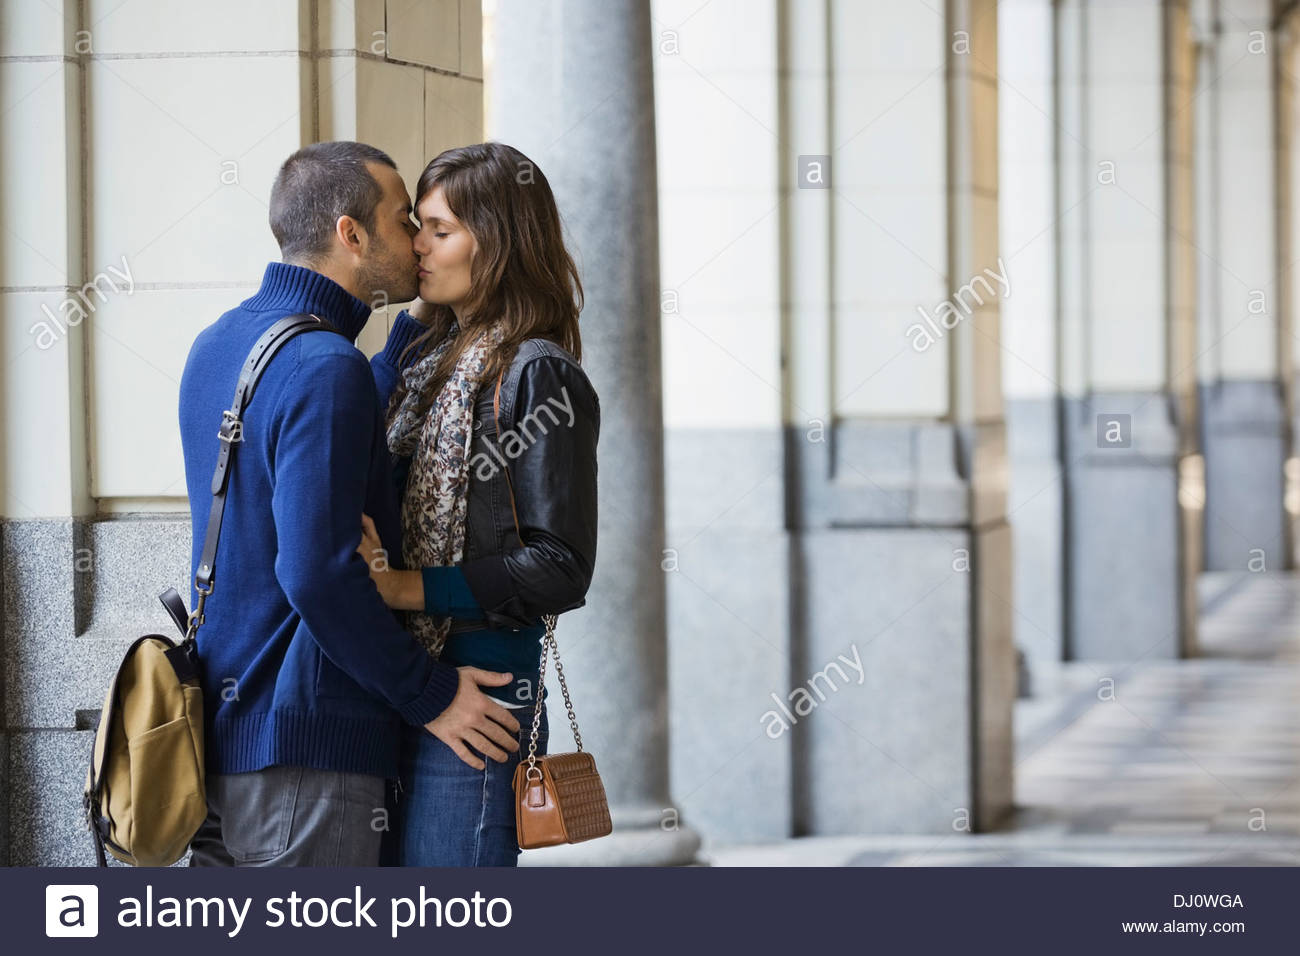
(563, 767)
(579, 794)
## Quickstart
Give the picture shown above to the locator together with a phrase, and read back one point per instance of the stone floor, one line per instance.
(1188, 763)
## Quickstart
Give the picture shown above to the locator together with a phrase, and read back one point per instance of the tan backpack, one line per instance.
(145, 796)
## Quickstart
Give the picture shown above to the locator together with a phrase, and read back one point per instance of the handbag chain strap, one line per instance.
(549, 643)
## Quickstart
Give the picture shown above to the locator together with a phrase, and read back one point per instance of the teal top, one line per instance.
(446, 594)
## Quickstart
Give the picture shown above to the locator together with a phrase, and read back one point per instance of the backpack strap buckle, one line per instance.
(232, 428)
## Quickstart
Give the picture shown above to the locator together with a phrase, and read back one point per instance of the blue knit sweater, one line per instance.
(303, 663)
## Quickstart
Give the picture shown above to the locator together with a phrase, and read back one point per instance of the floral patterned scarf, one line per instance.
(436, 499)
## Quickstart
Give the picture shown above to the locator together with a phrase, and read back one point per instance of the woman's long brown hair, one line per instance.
(522, 276)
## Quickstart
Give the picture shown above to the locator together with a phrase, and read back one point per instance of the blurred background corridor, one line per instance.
(1178, 773)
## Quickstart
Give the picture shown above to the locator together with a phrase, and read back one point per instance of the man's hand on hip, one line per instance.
(476, 720)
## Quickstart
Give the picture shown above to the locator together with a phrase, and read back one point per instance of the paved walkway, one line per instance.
(1193, 762)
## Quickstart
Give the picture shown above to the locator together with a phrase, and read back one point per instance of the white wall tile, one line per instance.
(453, 113)
(1240, 69)
(1025, 38)
(1127, 350)
(427, 32)
(720, 246)
(719, 128)
(1132, 206)
(879, 374)
(337, 97)
(1029, 312)
(715, 99)
(40, 207)
(1247, 212)
(1248, 348)
(887, 36)
(351, 25)
(37, 29)
(38, 401)
(164, 26)
(166, 207)
(890, 246)
(720, 369)
(1129, 276)
(138, 346)
(1026, 128)
(724, 36)
(1124, 42)
(1126, 121)
(390, 100)
(471, 38)
(888, 130)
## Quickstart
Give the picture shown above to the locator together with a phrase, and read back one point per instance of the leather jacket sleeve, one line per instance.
(550, 451)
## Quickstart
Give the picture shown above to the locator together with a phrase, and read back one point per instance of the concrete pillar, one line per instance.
(727, 565)
(901, 551)
(44, 469)
(1245, 425)
(1127, 332)
(1205, 233)
(1288, 184)
(573, 90)
(1027, 194)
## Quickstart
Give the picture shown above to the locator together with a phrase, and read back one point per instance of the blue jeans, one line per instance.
(448, 813)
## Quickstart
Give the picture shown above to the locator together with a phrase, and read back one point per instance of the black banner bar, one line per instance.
(579, 911)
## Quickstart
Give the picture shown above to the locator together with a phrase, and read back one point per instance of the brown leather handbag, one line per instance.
(558, 797)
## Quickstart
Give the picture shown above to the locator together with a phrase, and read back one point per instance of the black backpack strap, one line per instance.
(175, 605)
(231, 434)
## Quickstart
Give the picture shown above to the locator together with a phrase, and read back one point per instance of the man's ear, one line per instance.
(350, 234)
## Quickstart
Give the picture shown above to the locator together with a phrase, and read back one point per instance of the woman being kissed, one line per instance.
(492, 425)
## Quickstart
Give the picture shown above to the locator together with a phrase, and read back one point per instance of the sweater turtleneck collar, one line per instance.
(293, 288)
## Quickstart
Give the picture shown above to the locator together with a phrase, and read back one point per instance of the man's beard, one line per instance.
(383, 280)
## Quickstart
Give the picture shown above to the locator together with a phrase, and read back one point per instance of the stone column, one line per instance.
(904, 673)
(1027, 198)
(1127, 354)
(44, 468)
(1288, 184)
(975, 394)
(573, 90)
(1244, 417)
(728, 565)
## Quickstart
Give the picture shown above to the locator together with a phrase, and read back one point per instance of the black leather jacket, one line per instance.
(550, 421)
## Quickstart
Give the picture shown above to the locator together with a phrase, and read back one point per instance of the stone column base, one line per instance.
(1244, 439)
